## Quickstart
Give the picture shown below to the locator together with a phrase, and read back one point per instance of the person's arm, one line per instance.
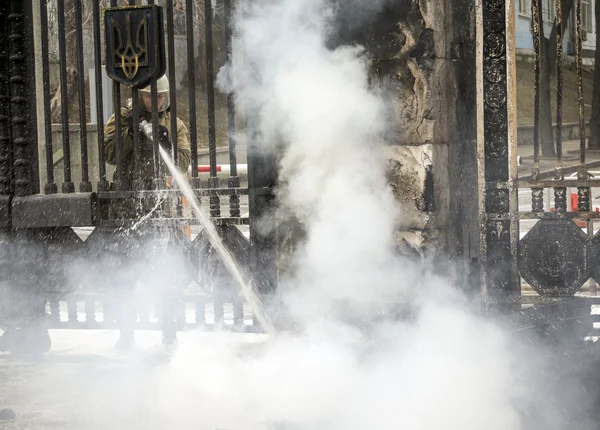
(110, 141)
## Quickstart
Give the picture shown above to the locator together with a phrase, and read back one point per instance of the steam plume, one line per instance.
(336, 374)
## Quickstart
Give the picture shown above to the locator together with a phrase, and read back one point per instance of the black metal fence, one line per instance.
(570, 254)
(560, 252)
(39, 226)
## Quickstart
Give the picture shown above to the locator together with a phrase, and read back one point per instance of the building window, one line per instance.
(587, 15)
(525, 7)
(550, 11)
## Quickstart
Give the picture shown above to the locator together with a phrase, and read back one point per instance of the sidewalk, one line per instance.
(570, 161)
(84, 383)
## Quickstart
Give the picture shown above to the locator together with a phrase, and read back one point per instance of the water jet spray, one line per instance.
(245, 286)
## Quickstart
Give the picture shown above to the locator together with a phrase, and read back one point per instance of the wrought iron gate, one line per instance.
(37, 220)
(556, 257)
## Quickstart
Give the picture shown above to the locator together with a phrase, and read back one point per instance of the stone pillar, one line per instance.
(424, 62)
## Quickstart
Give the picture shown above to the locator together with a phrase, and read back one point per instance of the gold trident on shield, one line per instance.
(129, 56)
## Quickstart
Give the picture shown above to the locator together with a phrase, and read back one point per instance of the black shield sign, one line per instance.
(135, 45)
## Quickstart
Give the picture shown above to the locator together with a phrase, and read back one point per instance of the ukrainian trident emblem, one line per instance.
(135, 50)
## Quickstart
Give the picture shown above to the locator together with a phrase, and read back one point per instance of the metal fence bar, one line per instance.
(560, 194)
(158, 178)
(582, 192)
(85, 186)
(593, 284)
(90, 313)
(135, 123)
(234, 180)
(172, 82)
(200, 307)
(511, 138)
(213, 180)
(102, 183)
(590, 221)
(5, 127)
(550, 183)
(537, 194)
(555, 215)
(50, 187)
(118, 183)
(192, 91)
(118, 179)
(68, 186)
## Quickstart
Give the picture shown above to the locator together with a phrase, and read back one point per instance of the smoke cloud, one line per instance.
(353, 364)
(379, 341)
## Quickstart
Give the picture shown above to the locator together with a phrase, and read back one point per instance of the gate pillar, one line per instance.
(22, 98)
(497, 167)
(262, 178)
(22, 304)
(5, 135)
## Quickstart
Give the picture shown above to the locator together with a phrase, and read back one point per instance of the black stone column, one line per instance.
(6, 188)
(499, 230)
(22, 98)
(22, 299)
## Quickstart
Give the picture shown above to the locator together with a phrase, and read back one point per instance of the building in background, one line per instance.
(524, 37)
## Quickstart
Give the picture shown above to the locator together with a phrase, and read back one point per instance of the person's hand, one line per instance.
(131, 125)
(162, 136)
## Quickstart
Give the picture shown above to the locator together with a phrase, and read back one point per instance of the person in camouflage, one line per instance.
(146, 147)
(129, 126)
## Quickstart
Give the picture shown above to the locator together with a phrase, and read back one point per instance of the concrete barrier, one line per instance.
(570, 131)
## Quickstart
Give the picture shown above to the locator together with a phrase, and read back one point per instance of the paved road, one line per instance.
(85, 384)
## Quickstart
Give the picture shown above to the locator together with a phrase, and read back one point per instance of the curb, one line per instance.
(549, 174)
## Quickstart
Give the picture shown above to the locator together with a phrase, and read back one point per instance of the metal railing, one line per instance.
(558, 183)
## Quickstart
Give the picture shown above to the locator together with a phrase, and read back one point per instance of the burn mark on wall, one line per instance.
(428, 200)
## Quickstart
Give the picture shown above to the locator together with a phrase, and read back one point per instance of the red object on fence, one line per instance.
(575, 207)
(223, 168)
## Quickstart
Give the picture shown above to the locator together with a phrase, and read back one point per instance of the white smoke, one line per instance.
(352, 364)
(349, 368)
(317, 102)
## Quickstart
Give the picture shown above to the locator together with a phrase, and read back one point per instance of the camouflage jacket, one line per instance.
(146, 146)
